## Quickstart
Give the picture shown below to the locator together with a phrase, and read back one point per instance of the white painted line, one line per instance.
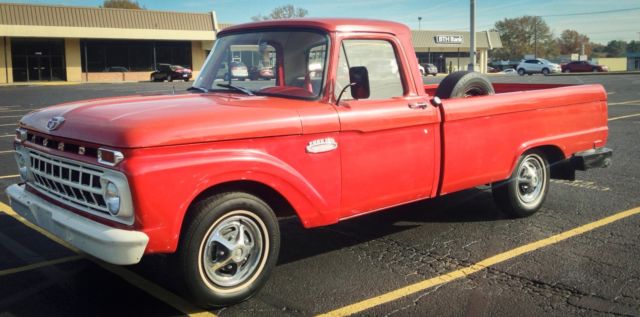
(8, 124)
(624, 117)
(6, 152)
(633, 102)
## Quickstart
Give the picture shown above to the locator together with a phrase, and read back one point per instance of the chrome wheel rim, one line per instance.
(531, 180)
(233, 250)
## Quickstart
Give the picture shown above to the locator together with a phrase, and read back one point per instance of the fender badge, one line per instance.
(54, 123)
(322, 145)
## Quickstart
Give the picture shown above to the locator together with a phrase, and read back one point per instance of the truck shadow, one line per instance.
(472, 205)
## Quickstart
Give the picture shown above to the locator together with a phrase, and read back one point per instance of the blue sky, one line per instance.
(436, 15)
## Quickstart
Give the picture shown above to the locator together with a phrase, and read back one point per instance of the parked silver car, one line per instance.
(537, 66)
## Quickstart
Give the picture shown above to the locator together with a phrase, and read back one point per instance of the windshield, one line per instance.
(281, 63)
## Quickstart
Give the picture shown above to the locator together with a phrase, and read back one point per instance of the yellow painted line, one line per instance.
(6, 152)
(9, 176)
(477, 267)
(625, 102)
(40, 265)
(624, 117)
(130, 277)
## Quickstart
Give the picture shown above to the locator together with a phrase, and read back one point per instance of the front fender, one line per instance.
(165, 184)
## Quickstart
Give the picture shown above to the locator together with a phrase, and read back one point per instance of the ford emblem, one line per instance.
(54, 123)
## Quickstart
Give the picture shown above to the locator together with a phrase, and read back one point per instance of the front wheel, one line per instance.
(169, 78)
(228, 248)
(545, 71)
(525, 191)
(521, 71)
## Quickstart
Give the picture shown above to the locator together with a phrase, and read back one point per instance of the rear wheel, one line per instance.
(595, 70)
(169, 78)
(228, 248)
(521, 71)
(525, 191)
(464, 84)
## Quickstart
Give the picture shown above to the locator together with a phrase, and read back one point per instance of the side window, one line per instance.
(379, 57)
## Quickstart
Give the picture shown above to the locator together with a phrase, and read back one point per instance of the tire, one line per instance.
(464, 84)
(545, 71)
(567, 70)
(525, 191)
(186, 80)
(211, 236)
(595, 70)
(169, 78)
(152, 79)
(521, 72)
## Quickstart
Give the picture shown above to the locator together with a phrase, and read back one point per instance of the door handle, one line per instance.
(418, 105)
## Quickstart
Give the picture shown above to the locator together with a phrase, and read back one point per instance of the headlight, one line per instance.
(22, 166)
(112, 198)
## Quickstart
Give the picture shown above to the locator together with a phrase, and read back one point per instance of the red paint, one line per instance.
(176, 147)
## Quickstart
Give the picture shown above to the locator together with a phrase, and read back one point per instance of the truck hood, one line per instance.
(147, 121)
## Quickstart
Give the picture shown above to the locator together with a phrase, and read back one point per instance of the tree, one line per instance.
(598, 50)
(572, 42)
(284, 12)
(523, 36)
(633, 47)
(616, 48)
(122, 4)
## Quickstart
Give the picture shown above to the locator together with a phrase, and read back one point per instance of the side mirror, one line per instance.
(359, 78)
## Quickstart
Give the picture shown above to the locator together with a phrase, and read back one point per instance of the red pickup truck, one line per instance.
(346, 127)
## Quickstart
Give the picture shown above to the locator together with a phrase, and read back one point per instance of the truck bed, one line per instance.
(483, 137)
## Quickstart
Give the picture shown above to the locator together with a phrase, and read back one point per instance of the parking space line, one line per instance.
(624, 117)
(15, 110)
(477, 267)
(9, 176)
(8, 124)
(3, 117)
(635, 102)
(40, 265)
(127, 275)
(7, 135)
(6, 152)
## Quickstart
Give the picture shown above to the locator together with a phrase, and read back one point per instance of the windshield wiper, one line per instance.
(238, 88)
(194, 88)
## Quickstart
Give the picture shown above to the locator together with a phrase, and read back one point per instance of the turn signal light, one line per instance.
(109, 157)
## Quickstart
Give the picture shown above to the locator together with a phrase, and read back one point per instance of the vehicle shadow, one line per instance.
(472, 205)
(298, 243)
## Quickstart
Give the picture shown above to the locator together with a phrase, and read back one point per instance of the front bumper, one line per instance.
(594, 158)
(109, 244)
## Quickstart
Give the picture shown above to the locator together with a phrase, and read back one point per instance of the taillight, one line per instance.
(178, 70)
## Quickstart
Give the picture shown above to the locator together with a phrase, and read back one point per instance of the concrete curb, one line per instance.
(596, 74)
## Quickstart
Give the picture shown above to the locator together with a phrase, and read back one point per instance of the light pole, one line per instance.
(472, 42)
(419, 23)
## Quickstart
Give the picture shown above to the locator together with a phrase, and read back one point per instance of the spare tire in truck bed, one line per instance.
(464, 84)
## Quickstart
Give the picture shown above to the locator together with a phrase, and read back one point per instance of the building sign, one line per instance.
(448, 39)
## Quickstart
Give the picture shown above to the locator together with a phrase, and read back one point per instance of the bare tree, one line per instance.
(122, 4)
(284, 12)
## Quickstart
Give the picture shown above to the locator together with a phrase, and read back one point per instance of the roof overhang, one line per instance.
(104, 33)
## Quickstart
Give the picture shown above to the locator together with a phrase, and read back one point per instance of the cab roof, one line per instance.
(327, 24)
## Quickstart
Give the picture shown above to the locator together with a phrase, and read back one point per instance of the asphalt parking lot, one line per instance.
(432, 258)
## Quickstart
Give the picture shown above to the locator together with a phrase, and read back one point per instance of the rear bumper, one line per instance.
(594, 158)
(109, 244)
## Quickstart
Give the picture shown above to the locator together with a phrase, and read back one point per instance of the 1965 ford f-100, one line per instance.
(344, 128)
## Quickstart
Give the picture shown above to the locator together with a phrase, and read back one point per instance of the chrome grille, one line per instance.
(70, 182)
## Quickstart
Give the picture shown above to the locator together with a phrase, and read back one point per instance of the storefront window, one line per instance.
(135, 56)
(38, 59)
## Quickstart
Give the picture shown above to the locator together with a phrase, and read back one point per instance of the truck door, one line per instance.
(387, 142)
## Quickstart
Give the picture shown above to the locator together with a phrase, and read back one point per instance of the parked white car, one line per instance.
(537, 66)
